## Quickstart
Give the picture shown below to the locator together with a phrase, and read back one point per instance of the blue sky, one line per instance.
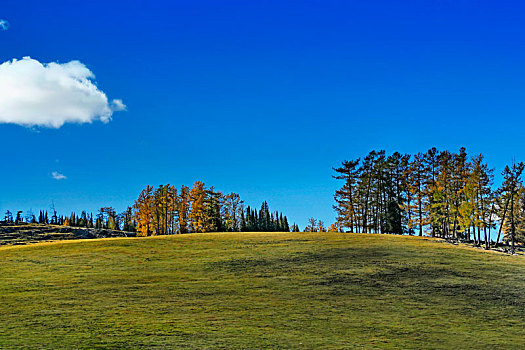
(261, 98)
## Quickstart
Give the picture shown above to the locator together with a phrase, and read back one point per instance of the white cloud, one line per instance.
(118, 105)
(4, 25)
(57, 176)
(36, 94)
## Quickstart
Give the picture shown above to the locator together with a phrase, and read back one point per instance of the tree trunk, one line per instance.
(512, 231)
(501, 224)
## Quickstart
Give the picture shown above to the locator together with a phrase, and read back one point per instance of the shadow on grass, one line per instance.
(377, 271)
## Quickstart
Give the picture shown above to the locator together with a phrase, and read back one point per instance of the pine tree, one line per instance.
(511, 186)
(127, 215)
(243, 221)
(345, 197)
(430, 163)
(286, 227)
(264, 218)
(184, 209)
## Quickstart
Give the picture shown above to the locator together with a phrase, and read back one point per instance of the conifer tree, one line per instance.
(346, 205)
(511, 188)
(244, 226)
(127, 220)
(286, 227)
(184, 209)
(264, 217)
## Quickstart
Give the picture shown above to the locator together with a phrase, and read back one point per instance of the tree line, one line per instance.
(439, 193)
(168, 210)
(106, 218)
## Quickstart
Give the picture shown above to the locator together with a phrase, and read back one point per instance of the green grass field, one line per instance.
(260, 290)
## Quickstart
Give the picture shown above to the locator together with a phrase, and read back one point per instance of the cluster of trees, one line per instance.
(440, 193)
(263, 220)
(168, 210)
(9, 218)
(106, 218)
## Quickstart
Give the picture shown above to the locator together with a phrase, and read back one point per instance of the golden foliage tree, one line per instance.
(144, 212)
(197, 214)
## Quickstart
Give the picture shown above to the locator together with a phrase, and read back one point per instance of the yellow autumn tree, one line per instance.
(144, 212)
(160, 206)
(333, 228)
(197, 214)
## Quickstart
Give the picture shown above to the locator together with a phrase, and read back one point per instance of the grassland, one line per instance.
(260, 290)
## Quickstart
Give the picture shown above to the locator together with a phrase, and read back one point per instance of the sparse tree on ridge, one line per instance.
(312, 225)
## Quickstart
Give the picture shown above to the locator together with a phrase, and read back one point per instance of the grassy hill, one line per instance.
(260, 290)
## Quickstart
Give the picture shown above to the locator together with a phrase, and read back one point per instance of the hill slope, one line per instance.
(20, 234)
(260, 290)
